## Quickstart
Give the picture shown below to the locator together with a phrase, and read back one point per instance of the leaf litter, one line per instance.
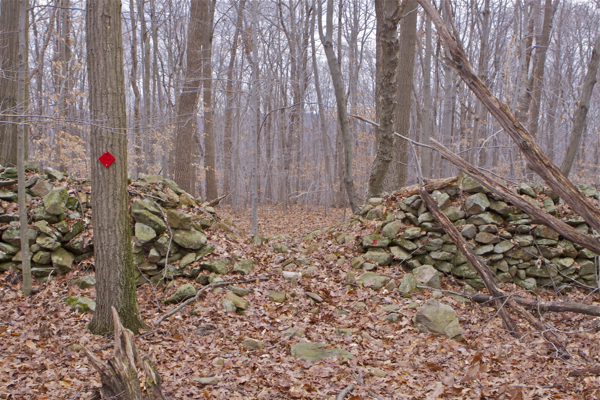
(41, 336)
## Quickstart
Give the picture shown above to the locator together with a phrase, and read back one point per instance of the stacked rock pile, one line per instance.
(166, 222)
(516, 248)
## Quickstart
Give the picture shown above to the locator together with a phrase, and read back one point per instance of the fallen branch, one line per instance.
(545, 306)
(550, 221)
(488, 277)
(585, 371)
(538, 161)
(345, 392)
(200, 292)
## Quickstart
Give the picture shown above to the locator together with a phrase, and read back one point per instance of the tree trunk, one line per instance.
(21, 145)
(340, 98)
(115, 272)
(428, 117)
(389, 12)
(135, 123)
(9, 65)
(188, 100)
(120, 376)
(538, 74)
(254, 115)
(209, 112)
(404, 94)
(579, 120)
(482, 72)
(230, 95)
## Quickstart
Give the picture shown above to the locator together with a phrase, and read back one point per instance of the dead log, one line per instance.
(499, 296)
(545, 306)
(121, 375)
(216, 201)
(488, 181)
(536, 159)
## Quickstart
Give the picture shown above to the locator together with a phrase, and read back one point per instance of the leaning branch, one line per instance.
(538, 161)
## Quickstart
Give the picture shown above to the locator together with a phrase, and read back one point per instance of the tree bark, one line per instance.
(21, 146)
(340, 99)
(545, 306)
(538, 73)
(537, 160)
(188, 100)
(9, 65)
(230, 95)
(389, 12)
(428, 117)
(404, 93)
(209, 113)
(120, 376)
(579, 120)
(115, 272)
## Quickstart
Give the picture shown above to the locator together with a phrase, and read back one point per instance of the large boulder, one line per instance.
(438, 318)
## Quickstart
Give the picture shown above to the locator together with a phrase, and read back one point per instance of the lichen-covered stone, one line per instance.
(381, 258)
(243, 267)
(469, 231)
(144, 234)
(503, 247)
(486, 238)
(408, 285)
(399, 254)
(542, 231)
(239, 302)
(391, 229)
(179, 220)
(412, 233)
(219, 266)
(439, 318)
(372, 280)
(62, 260)
(12, 235)
(476, 204)
(376, 241)
(189, 239)
(56, 200)
(317, 351)
(427, 275)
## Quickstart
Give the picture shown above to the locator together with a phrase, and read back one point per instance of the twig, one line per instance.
(200, 292)
(345, 392)
(373, 394)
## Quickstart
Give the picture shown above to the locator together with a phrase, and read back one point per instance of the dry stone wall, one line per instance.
(510, 242)
(165, 220)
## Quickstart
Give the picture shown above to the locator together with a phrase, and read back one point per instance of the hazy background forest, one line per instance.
(300, 151)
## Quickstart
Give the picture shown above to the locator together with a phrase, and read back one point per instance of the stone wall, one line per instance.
(510, 242)
(165, 222)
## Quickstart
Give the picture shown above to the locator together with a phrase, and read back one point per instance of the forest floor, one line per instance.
(39, 357)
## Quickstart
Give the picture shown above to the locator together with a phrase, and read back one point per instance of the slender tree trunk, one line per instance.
(428, 120)
(115, 272)
(254, 116)
(22, 78)
(230, 95)
(135, 124)
(148, 159)
(579, 120)
(404, 94)
(482, 72)
(538, 75)
(188, 100)
(322, 116)
(340, 97)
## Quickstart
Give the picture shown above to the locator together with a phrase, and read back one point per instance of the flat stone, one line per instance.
(440, 197)
(219, 266)
(12, 235)
(542, 231)
(486, 238)
(376, 241)
(239, 302)
(503, 247)
(62, 260)
(372, 280)
(481, 250)
(470, 185)
(399, 254)
(412, 233)
(189, 239)
(316, 351)
(208, 380)
(277, 296)
(441, 255)
(314, 296)
(469, 231)
(453, 213)
(527, 190)
(252, 344)
(243, 267)
(428, 276)
(81, 304)
(144, 233)
(379, 257)
(409, 284)
(485, 218)
(465, 271)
